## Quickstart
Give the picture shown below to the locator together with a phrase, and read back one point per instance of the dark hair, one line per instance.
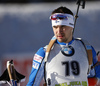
(62, 10)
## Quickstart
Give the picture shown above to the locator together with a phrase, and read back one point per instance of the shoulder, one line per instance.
(84, 42)
(87, 45)
(41, 51)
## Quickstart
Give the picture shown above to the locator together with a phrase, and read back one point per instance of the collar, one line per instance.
(62, 43)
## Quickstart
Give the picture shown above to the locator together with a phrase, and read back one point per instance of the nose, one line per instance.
(60, 30)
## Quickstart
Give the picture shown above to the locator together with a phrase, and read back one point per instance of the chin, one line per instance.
(60, 40)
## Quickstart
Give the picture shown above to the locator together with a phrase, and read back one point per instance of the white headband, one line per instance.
(69, 21)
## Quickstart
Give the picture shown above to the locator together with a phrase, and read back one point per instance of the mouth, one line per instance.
(60, 36)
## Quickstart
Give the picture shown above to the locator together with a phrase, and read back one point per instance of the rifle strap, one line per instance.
(50, 45)
(89, 52)
(84, 42)
(86, 45)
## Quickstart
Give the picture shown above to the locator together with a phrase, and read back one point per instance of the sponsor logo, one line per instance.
(71, 24)
(76, 83)
(38, 58)
(35, 65)
(68, 51)
(56, 21)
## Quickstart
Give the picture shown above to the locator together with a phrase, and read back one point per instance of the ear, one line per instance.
(72, 30)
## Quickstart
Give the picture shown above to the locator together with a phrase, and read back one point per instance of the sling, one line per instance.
(87, 48)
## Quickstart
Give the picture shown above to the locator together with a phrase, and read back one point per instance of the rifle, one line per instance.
(79, 3)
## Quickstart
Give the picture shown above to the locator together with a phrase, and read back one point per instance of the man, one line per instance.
(67, 62)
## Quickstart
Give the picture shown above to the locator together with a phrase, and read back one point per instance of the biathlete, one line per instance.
(66, 63)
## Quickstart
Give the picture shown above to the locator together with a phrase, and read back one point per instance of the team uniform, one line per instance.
(67, 65)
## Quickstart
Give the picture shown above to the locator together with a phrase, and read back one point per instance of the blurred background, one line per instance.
(25, 27)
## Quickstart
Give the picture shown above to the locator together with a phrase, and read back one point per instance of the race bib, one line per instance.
(75, 83)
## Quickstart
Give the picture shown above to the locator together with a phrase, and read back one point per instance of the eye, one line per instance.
(54, 27)
(63, 26)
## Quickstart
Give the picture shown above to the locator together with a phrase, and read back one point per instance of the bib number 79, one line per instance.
(75, 68)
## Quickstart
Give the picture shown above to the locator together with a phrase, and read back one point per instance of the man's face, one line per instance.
(63, 33)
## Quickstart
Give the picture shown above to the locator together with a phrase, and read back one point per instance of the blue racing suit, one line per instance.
(37, 72)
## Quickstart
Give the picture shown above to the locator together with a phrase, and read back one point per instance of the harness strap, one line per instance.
(84, 42)
(89, 52)
(51, 43)
(86, 45)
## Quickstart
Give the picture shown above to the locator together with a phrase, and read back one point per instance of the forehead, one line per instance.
(56, 26)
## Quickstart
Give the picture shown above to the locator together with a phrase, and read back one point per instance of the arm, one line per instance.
(94, 76)
(37, 71)
(97, 68)
(95, 72)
